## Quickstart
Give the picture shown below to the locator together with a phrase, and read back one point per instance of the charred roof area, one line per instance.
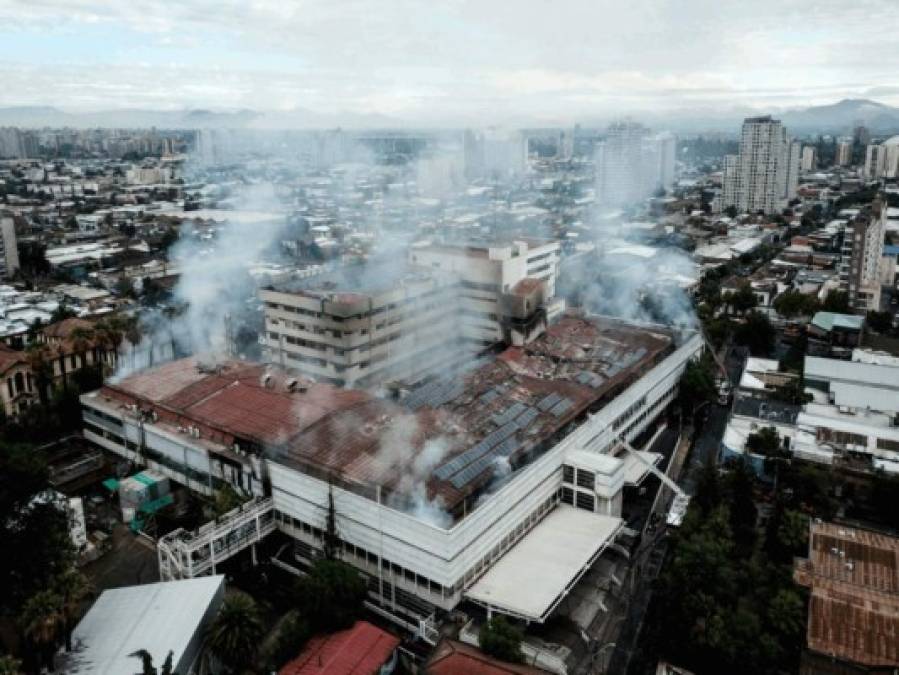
(443, 443)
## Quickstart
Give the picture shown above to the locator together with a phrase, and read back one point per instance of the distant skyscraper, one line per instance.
(844, 153)
(631, 164)
(809, 158)
(765, 173)
(882, 159)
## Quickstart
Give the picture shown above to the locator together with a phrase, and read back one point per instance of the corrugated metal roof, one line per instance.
(360, 650)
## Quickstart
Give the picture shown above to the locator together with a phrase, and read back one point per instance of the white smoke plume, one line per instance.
(214, 287)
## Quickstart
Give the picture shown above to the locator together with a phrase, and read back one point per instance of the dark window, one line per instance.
(585, 501)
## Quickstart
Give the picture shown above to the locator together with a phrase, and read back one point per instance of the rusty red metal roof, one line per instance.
(360, 650)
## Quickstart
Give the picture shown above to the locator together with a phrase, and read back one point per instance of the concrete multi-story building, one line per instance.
(334, 331)
(9, 249)
(844, 153)
(426, 495)
(631, 164)
(809, 158)
(448, 303)
(882, 159)
(862, 256)
(766, 172)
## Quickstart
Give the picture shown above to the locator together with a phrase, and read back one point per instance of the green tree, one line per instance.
(880, 322)
(756, 333)
(837, 302)
(292, 634)
(10, 665)
(501, 639)
(124, 287)
(765, 441)
(697, 384)
(743, 513)
(742, 300)
(794, 303)
(787, 615)
(72, 588)
(35, 533)
(331, 595)
(62, 312)
(234, 635)
(226, 499)
(41, 620)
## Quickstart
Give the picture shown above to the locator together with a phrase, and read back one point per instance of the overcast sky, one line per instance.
(447, 59)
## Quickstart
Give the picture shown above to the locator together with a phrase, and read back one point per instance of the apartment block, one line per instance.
(862, 254)
(764, 176)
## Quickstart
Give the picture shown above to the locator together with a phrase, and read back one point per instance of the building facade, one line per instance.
(764, 176)
(454, 301)
(415, 566)
(862, 255)
(882, 159)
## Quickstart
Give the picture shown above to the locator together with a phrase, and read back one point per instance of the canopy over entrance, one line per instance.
(536, 574)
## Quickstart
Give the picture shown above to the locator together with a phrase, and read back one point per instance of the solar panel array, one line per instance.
(561, 407)
(476, 468)
(489, 441)
(524, 419)
(590, 379)
(434, 394)
(508, 414)
(548, 401)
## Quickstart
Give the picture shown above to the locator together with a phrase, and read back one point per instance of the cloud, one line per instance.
(457, 59)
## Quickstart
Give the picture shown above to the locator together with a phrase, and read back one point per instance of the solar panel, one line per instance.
(489, 396)
(524, 419)
(561, 407)
(548, 401)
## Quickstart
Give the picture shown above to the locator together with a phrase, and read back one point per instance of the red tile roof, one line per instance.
(9, 358)
(451, 658)
(360, 650)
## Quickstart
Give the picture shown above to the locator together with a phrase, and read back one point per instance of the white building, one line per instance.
(159, 618)
(852, 417)
(449, 303)
(882, 160)
(809, 158)
(766, 172)
(631, 164)
(844, 153)
(862, 257)
(426, 529)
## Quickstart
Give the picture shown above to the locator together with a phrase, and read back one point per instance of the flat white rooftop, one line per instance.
(157, 617)
(538, 572)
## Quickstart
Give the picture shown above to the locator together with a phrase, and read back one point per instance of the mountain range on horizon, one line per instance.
(837, 118)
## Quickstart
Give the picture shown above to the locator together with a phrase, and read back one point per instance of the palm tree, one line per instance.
(73, 588)
(82, 338)
(147, 667)
(234, 636)
(41, 619)
(41, 368)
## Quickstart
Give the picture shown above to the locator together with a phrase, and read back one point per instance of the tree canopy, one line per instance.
(501, 639)
(756, 333)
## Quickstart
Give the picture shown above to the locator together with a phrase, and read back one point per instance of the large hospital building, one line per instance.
(448, 489)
